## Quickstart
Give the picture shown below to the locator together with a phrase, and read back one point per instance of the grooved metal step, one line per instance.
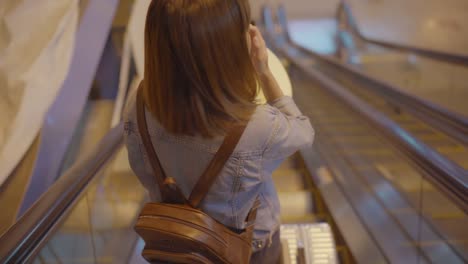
(296, 204)
(308, 243)
(288, 180)
(296, 199)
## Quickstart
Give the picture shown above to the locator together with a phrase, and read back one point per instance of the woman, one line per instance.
(203, 60)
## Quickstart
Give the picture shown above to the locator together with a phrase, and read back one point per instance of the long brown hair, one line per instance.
(199, 79)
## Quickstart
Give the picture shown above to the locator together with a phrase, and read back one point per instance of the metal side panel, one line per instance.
(359, 241)
(65, 113)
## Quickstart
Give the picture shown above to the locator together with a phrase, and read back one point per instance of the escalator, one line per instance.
(393, 183)
(435, 76)
(455, 148)
(371, 197)
(97, 225)
(94, 223)
(102, 221)
(442, 130)
(370, 169)
(88, 214)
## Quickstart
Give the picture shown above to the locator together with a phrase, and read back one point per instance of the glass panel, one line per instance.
(444, 227)
(99, 228)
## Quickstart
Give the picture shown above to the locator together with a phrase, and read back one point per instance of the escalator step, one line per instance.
(296, 204)
(308, 243)
(301, 219)
(288, 180)
(290, 163)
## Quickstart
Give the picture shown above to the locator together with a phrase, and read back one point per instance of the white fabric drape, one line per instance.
(36, 45)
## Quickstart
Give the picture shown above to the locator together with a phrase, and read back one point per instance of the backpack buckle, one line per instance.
(258, 244)
(173, 194)
(171, 183)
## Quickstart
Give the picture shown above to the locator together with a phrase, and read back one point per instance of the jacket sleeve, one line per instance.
(291, 130)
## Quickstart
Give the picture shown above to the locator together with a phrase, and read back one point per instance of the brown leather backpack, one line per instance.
(175, 230)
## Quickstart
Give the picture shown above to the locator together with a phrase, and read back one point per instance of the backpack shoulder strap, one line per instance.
(169, 190)
(216, 165)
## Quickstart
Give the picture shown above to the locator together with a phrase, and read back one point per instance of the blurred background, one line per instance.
(384, 82)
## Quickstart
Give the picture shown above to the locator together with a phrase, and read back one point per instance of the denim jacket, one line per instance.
(274, 132)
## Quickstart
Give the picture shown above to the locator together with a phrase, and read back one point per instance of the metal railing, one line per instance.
(22, 241)
(453, 124)
(345, 8)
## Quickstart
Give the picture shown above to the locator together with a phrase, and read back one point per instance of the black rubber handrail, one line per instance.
(31, 230)
(452, 124)
(444, 173)
(454, 58)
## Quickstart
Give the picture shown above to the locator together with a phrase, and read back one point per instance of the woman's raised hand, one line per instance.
(258, 52)
(259, 56)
